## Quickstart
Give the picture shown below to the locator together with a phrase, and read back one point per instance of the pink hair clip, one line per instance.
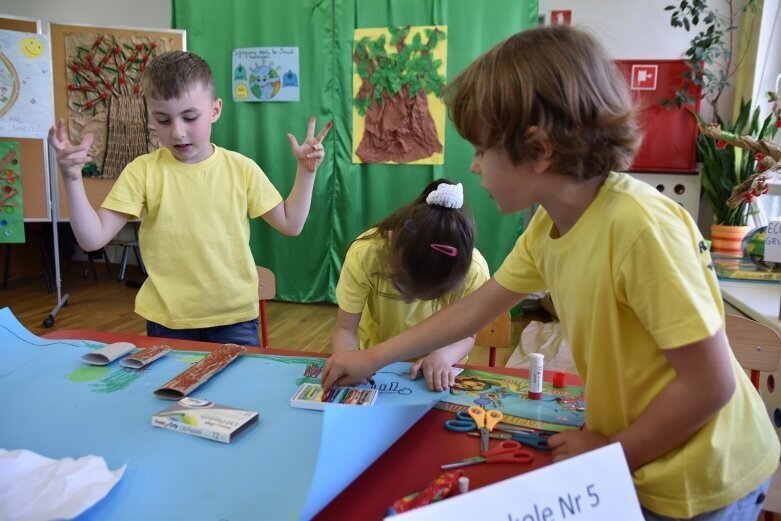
(444, 248)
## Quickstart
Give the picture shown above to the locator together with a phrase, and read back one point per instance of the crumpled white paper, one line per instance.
(33, 487)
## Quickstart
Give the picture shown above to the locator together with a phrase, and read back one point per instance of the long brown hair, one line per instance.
(412, 229)
(559, 79)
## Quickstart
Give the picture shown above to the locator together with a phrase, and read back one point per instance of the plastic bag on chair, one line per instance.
(548, 339)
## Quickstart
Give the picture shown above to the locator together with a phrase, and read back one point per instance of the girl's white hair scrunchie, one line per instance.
(447, 195)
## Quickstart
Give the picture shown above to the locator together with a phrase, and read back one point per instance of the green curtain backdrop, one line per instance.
(347, 197)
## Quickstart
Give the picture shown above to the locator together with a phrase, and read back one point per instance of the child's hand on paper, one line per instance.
(572, 443)
(348, 368)
(70, 156)
(310, 153)
(436, 370)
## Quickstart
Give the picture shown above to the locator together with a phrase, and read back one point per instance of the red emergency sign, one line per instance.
(561, 17)
(644, 77)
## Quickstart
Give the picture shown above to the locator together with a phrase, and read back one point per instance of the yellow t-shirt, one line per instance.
(194, 236)
(631, 279)
(365, 288)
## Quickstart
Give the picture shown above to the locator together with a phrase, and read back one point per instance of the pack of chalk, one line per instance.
(310, 396)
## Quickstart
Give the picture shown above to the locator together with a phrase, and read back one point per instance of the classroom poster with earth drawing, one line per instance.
(265, 74)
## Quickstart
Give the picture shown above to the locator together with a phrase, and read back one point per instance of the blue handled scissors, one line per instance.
(536, 440)
(508, 451)
(476, 418)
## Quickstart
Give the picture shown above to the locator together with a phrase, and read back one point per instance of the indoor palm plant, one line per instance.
(712, 64)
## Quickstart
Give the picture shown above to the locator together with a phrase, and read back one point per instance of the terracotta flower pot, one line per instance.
(726, 240)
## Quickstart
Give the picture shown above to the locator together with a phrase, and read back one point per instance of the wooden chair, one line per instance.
(757, 348)
(267, 289)
(495, 335)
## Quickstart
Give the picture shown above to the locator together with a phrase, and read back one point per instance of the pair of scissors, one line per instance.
(476, 418)
(508, 451)
(535, 440)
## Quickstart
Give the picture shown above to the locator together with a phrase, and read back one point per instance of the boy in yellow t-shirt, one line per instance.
(196, 200)
(551, 121)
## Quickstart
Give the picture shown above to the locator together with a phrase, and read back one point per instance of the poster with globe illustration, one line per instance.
(25, 85)
(265, 74)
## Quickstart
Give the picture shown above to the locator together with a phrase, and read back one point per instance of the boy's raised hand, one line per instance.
(71, 157)
(310, 153)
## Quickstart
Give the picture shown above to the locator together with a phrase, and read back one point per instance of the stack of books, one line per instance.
(744, 270)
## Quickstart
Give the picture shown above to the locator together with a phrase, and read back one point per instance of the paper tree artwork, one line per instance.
(11, 211)
(398, 113)
(105, 97)
(265, 74)
(25, 85)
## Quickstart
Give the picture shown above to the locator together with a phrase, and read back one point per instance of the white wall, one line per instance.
(638, 29)
(145, 14)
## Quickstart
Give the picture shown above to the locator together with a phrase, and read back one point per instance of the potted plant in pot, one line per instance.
(725, 167)
(712, 65)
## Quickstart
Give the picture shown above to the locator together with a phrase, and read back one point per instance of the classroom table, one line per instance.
(407, 466)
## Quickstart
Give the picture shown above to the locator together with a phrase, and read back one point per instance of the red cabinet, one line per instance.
(669, 136)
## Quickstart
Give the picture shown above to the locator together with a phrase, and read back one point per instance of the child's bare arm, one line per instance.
(455, 322)
(703, 383)
(289, 216)
(93, 229)
(436, 366)
(344, 335)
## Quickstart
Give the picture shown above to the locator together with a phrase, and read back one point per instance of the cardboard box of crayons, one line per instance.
(205, 419)
(310, 396)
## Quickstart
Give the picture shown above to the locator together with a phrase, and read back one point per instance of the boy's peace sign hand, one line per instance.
(310, 153)
(71, 157)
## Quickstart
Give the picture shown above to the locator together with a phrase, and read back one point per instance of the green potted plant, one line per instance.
(712, 64)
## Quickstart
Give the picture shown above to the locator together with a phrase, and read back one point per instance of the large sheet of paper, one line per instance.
(288, 466)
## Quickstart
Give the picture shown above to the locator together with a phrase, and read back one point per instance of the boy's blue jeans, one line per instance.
(242, 333)
(744, 509)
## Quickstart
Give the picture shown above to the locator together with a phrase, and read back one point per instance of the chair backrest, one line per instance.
(756, 346)
(267, 284)
(267, 289)
(495, 335)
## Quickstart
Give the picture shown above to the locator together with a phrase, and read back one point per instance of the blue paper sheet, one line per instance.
(288, 466)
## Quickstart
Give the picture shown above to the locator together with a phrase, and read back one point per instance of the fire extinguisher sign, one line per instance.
(644, 77)
(561, 17)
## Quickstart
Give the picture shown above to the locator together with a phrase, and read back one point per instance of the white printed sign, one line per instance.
(773, 241)
(592, 487)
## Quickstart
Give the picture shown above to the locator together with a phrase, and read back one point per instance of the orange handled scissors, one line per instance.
(485, 422)
(508, 451)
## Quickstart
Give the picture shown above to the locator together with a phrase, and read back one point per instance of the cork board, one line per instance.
(97, 188)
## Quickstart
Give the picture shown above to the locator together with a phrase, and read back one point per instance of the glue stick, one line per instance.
(535, 376)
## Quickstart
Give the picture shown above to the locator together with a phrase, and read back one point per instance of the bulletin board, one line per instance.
(35, 194)
(97, 189)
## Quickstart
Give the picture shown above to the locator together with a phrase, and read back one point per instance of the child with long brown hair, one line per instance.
(402, 270)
